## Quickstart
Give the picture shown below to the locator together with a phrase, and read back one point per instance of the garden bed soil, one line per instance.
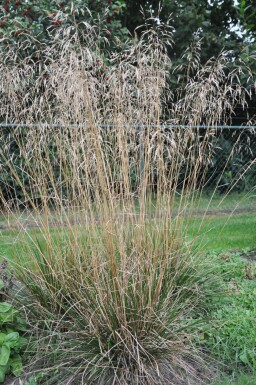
(250, 256)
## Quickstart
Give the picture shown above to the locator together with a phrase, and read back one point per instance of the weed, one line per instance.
(11, 325)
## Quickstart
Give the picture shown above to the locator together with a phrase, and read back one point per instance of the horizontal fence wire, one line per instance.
(233, 162)
(163, 126)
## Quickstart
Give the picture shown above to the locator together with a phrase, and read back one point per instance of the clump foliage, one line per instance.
(112, 283)
(12, 326)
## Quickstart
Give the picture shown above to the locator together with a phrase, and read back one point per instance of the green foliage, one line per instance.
(9, 188)
(11, 340)
(209, 21)
(238, 379)
(232, 163)
(34, 20)
(35, 379)
(248, 15)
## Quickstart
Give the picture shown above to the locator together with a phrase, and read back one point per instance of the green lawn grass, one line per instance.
(244, 201)
(215, 232)
(241, 379)
(7, 244)
(224, 232)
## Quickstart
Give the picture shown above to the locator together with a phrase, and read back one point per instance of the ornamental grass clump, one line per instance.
(101, 193)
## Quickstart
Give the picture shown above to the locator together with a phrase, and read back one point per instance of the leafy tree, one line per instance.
(248, 15)
(210, 21)
(205, 27)
(20, 19)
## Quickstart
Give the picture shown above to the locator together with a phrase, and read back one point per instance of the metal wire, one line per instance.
(234, 151)
(163, 126)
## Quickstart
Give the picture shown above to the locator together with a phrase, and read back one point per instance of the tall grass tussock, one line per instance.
(102, 192)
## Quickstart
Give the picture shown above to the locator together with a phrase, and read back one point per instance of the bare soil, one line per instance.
(250, 256)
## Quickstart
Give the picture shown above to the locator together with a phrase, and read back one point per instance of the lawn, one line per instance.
(230, 223)
(225, 232)
(223, 203)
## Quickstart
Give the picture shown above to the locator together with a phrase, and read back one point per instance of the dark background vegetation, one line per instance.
(218, 25)
(214, 25)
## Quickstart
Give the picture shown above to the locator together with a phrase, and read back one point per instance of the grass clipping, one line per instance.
(112, 284)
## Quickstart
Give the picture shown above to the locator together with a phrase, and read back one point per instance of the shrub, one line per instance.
(120, 307)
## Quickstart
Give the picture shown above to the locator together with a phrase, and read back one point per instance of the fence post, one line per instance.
(141, 152)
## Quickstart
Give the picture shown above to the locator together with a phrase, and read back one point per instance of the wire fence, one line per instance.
(233, 164)
(233, 161)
